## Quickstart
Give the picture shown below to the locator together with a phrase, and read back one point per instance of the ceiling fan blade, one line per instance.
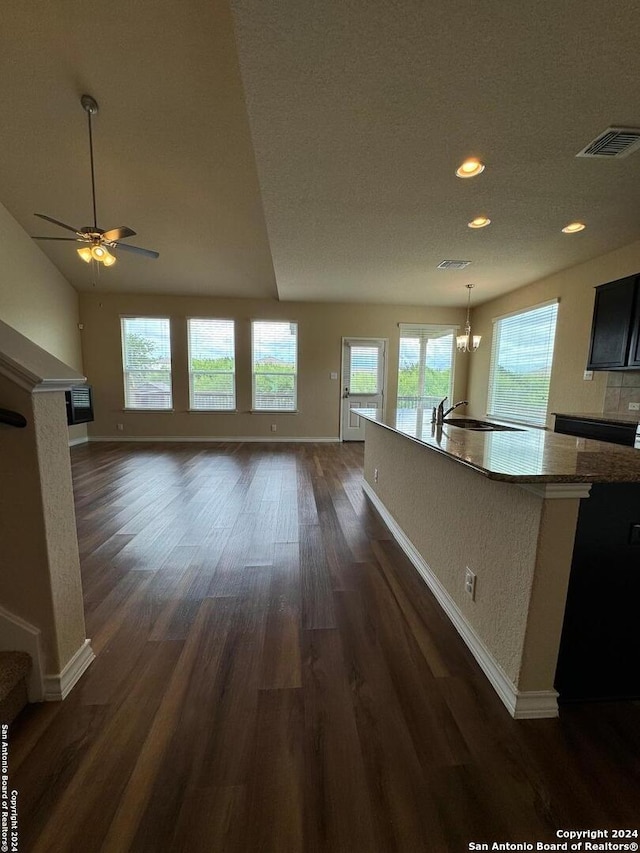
(149, 253)
(118, 233)
(57, 222)
(65, 239)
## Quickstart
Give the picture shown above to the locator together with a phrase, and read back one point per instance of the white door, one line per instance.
(363, 372)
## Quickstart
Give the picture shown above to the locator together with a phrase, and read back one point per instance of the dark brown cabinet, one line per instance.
(615, 332)
(600, 644)
(634, 349)
(600, 429)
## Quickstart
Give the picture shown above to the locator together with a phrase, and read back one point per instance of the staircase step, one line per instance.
(14, 672)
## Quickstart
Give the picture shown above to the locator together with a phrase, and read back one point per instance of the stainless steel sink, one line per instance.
(480, 426)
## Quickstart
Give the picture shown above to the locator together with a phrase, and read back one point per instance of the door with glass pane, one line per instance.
(363, 372)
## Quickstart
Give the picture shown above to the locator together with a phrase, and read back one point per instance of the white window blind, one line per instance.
(365, 375)
(212, 364)
(146, 359)
(275, 365)
(425, 365)
(521, 358)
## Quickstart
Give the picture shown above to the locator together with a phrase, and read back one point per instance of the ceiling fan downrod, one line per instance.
(90, 105)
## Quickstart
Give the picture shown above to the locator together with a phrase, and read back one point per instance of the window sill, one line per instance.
(212, 411)
(151, 411)
(273, 411)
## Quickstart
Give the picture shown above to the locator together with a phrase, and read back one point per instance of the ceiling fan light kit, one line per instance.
(97, 241)
(97, 253)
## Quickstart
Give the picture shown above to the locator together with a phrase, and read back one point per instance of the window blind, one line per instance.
(146, 358)
(425, 365)
(275, 365)
(212, 364)
(364, 369)
(521, 359)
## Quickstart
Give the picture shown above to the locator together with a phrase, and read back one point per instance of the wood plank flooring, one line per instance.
(273, 675)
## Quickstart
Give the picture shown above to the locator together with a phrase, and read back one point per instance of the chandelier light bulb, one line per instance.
(468, 342)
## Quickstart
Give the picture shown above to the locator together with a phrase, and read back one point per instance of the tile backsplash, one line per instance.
(623, 387)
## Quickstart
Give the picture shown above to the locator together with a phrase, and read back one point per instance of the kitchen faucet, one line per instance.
(439, 414)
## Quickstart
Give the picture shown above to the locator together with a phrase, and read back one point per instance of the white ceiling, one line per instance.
(355, 114)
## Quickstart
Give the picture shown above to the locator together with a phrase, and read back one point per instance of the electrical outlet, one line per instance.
(634, 407)
(375, 475)
(470, 583)
(588, 375)
(274, 428)
(119, 427)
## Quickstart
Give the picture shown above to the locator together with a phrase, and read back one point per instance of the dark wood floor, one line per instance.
(272, 675)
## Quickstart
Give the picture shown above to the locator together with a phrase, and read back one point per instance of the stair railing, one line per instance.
(14, 419)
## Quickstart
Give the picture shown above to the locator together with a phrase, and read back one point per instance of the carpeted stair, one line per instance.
(14, 674)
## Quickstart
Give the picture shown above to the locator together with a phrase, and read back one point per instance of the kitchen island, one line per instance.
(508, 506)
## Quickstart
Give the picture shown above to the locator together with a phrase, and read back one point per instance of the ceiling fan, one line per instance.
(98, 242)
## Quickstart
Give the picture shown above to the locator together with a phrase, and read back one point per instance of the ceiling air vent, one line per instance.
(613, 142)
(453, 265)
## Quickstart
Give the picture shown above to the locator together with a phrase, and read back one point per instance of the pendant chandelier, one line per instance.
(468, 342)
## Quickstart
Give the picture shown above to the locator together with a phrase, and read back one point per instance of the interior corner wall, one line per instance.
(321, 327)
(37, 300)
(574, 287)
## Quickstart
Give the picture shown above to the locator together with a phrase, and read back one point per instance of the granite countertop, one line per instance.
(527, 455)
(625, 418)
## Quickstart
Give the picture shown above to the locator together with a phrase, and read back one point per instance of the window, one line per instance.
(521, 357)
(366, 366)
(425, 369)
(275, 365)
(146, 359)
(212, 364)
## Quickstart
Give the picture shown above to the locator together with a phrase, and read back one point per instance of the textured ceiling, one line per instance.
(361, 111)
(356, 117)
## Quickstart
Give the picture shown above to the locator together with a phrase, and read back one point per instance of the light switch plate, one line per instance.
(333, 375)
(588, 375)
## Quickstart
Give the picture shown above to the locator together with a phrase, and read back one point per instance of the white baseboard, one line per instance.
(521, 705)
(17, 635)
(58, 686)
(73, 441)
(249, 439)
(536, 705)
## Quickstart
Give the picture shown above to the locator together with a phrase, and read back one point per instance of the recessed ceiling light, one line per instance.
(479, 222)
(470, 168)
(573, 228)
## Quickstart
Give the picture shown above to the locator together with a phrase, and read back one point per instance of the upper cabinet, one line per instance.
(615, 333)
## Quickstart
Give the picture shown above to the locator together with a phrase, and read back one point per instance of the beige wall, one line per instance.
(569, 392)
(36, 299)
(321, 327)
